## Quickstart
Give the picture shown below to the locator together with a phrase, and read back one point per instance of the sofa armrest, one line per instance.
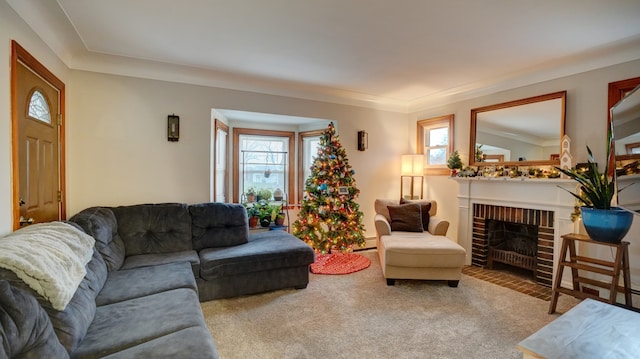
(382, 226)
(437, 226)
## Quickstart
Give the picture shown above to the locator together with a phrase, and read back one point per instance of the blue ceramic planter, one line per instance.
(606, 225)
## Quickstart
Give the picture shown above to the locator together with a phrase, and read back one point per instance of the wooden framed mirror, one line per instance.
(525, 132)
(624, 114)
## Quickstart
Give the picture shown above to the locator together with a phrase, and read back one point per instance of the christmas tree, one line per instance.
(330, 219)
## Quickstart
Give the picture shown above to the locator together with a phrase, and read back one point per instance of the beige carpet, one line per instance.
(358, 316)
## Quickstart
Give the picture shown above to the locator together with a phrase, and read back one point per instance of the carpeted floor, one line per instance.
(359, 316)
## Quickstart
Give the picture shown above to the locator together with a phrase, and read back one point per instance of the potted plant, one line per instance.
(250, 194)
(253, 213)
(264, 194)
(276, 215)
(278, 194)
(602, 222)
(264, 212)
(454, 163)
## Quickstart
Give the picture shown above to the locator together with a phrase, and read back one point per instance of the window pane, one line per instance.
(39, 108)
(263, 162)
(221, 166)
(311, 145)
(437, 156)
(438, 136)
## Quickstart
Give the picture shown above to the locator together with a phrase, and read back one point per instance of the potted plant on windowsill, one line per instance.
(603, 222)
(277, 216)
(253, 213)
(264, 212)
(250, 194)
(264, 194)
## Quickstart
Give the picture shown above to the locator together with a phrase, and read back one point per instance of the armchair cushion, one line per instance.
(381, 207)
(425, 208)
(406, 217)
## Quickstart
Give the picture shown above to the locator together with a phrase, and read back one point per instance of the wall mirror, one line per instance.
(625, 126)
(525, 132)
(625, 123)
(624, 117)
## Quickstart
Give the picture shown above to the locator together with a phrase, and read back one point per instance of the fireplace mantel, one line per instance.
(541, 194)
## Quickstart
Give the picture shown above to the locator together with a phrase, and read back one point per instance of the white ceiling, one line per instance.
(401, 54)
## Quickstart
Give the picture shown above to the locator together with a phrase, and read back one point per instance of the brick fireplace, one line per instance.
(542, 219)
(540, 202)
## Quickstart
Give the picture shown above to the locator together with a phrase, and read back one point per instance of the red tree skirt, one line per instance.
(339, 263)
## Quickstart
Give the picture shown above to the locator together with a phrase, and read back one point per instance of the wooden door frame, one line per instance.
(18, 53)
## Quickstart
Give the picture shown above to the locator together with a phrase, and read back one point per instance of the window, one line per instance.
(633, 148)
(308, 143)
(220, 168)
(39, 108)
(262, 159)
(435, 141)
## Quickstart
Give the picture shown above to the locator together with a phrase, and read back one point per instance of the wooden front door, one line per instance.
(37, 142)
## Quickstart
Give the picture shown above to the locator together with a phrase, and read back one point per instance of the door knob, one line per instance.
(21, 202)
(24, 222)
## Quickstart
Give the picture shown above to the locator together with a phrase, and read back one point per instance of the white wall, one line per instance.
(12, 27)
(118, 152)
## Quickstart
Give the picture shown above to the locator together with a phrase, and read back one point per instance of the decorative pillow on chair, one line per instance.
(425, 207)
(406, 217)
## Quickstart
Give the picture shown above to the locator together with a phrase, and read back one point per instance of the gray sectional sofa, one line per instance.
(151, 266)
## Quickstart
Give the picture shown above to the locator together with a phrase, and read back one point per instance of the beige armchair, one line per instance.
(416, 253)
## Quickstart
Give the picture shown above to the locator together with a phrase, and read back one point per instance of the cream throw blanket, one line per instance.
(49, 257)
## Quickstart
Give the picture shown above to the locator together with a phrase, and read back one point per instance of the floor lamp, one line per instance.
(412, 168)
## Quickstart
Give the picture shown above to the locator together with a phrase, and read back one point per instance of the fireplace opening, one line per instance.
(514, 244)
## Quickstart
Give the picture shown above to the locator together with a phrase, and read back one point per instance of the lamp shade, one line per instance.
(412, 165)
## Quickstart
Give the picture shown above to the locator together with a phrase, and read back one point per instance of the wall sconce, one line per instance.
(363, 140)
(412, 168)
(173, 128)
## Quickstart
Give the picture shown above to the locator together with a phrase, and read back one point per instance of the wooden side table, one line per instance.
(581, 263)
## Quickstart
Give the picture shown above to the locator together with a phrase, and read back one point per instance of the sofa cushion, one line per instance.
(406, 217)
(218, 225)
(154, 228)
(192, 343)
(50, 257)
(101, 224)
(71, 324)
(123, 325)
(25, 329)
(145, 260)
(264, 251)
(139, 282)
(425, 209)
